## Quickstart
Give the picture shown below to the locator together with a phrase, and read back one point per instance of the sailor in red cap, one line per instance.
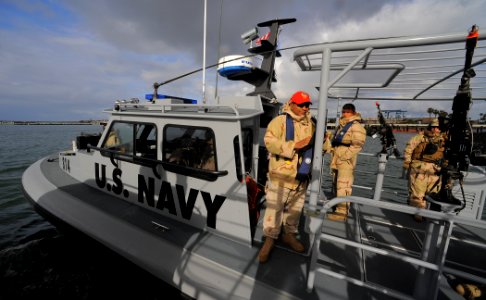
(287, 138)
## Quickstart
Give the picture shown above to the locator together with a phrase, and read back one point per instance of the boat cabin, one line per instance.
(194, 163)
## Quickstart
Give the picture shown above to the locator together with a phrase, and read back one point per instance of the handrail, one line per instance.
(189, 114)
(405, 209)
(184, 170)
(430, 215)
(204, 107)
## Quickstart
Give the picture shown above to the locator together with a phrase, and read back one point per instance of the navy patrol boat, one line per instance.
(175, 186)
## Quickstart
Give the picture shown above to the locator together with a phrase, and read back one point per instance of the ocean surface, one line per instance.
(36, 260)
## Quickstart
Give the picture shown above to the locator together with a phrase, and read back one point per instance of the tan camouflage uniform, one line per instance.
(423, 178)
(285, 195)
(344, 158)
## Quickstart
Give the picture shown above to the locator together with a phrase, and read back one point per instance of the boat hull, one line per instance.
(198, 263)
(204, 265)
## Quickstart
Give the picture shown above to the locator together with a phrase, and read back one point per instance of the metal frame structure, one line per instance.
(432, 55)
(407, 68)
(429, 67)
(431, 262)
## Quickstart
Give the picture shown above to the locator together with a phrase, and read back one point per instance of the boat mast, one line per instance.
(204, 55)
(219, 50)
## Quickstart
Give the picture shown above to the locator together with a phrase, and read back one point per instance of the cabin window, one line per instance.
(247, 138)
(146, 141)
(120, 138)
(136, 140)
(190, 146)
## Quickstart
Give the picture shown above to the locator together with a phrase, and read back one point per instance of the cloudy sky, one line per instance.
(69, 60)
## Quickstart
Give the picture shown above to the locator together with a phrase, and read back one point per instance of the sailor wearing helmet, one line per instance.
(423, 157)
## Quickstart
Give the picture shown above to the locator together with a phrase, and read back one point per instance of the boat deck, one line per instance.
(184, 251)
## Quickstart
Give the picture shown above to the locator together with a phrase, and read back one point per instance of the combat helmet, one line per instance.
(434, 123)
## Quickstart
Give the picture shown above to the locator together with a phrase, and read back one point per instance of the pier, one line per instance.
(399, 127)
(81, 122)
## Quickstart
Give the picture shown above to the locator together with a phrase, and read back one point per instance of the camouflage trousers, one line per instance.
(421, 184)
(343, 179)
(283, 207)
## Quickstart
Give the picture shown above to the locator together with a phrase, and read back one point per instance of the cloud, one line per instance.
(401, 18)
(63, 58)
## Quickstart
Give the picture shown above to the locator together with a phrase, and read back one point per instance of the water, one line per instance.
(35, 260)
(394, 186)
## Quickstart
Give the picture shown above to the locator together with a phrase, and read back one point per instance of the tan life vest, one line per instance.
(431, 149)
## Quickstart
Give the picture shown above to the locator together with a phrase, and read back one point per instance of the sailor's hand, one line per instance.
(302, 143)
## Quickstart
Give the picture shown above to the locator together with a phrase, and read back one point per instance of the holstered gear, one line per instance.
(431, 149)
(293, 242)
(266, 249)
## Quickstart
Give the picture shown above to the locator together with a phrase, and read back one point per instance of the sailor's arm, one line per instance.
(407, 153)
(326, 146)
(275, 139)
(358, 138)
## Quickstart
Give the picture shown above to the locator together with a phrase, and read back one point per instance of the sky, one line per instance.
(71, 59)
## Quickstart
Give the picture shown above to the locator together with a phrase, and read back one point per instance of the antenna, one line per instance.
(204, 55)
(219, 50)
(262, 77)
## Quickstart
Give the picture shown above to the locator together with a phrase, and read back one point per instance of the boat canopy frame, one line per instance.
(403, 57)
(410, 62)
(419, 57)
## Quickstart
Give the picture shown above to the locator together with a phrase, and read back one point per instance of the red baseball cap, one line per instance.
(300, 97)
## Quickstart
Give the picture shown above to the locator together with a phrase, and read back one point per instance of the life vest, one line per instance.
(339, 135)
(305, 167)
(431, 149)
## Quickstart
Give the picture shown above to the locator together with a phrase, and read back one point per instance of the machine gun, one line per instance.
(387, 138)
(456, 126)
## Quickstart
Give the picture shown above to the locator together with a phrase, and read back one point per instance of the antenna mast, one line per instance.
(204, 55)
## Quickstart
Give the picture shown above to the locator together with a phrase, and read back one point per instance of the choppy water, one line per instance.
(36, 261)
(20, 147)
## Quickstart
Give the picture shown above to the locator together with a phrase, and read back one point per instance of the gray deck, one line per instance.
(286, 271)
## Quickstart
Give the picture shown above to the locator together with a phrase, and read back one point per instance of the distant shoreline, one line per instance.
(94, 122)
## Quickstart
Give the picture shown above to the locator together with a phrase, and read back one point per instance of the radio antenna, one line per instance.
(204, 54)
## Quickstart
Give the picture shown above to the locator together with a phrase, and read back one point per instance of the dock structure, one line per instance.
(399, 114)
(81, 122)
(410, 127)
(407, 127)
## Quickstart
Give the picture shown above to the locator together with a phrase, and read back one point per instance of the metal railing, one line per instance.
(431, 264)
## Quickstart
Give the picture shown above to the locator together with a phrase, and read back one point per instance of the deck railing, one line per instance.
(431, 264)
